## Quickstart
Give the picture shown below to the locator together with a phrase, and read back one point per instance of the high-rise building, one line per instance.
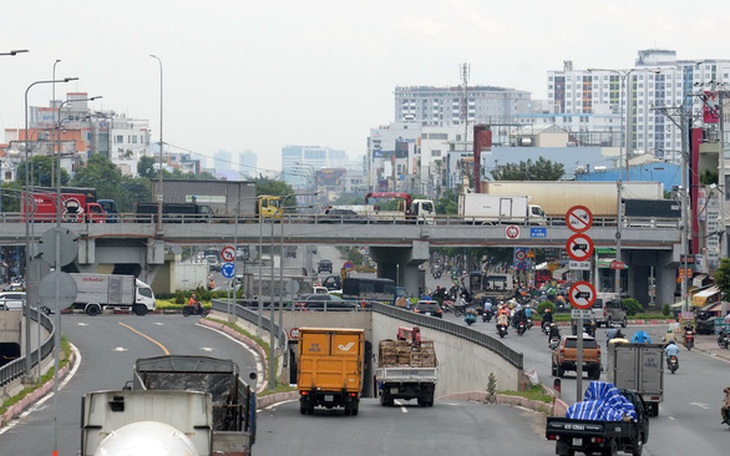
(590, 103)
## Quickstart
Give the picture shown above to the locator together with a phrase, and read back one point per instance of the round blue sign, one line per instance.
(228, 270)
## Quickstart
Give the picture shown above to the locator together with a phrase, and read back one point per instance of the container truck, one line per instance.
(182, 405)
(97, 291)
(330, 369)
(486, 208)
(556, 197)
(407, 368)
(174, 212)
(638, 367)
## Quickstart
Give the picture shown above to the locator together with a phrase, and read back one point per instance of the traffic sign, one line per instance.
(228, 270)
(582, 295)
(579, 247)
(228, 254)
(581, 313)
(579, 265)
(617, 264)
(348, 265)
(520, 255)
(579, 219)
(512, 232)
(294, 333)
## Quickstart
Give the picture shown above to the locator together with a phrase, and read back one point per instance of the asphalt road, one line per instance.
(689, 417)
(109, 345)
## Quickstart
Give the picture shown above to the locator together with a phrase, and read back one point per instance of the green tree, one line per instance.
(542, 169)
(447, 204)
(722, 278)
(146, 167)
(109, 182)
(266, 186)
(40, 172)
(11, 197)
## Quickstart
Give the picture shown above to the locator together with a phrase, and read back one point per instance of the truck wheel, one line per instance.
(302, 408)
(639, 446)
(384, 399)
(93, 309)
(347, 410)
(610, 450)
(595, 373)
(654, 409)
(140, 309)
(354, 410)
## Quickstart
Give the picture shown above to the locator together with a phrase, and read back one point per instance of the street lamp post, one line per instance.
(28, 283)
(53, 101)
(159, 190)
(14, 52)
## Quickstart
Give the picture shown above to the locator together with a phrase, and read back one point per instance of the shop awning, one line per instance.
(699, 280)
(706, 296)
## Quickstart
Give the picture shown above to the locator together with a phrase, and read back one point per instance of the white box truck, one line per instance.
(96, 291)
(638, 367)
(486, 208)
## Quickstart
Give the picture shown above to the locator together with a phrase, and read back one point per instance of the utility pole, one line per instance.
(465, 71)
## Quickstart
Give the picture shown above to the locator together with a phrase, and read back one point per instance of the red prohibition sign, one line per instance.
(582, 295)
(228, 254)
(579, 219)
(579, 247)
(512, 232)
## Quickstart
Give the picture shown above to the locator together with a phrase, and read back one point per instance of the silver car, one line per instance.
(12, 300)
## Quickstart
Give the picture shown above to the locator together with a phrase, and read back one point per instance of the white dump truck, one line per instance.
(97, 291)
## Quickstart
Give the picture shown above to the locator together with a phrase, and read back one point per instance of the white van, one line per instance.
(608, 310)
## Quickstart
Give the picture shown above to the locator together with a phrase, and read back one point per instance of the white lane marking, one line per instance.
(41, 401)
(158, 323)
(254, 353)
(671, 418)
(81, 323)
(701, 405)
(402, 405)
(206, 349)
(273, 406)
(120, 349)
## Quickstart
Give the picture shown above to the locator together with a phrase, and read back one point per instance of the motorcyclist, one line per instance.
(528, 313)
(194, 303)
(554, 332)
(502, 319)
(671, 350)
(725, 409)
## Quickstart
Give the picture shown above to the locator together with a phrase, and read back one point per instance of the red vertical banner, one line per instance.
(710, 107)
(482, 141)
(694, 183)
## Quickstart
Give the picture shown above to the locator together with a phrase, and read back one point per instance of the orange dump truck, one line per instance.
(330, 368)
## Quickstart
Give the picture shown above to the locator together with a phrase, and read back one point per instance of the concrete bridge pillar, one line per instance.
(141, 257)
(401, 264)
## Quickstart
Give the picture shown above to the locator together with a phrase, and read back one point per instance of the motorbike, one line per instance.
(470, 318)
(554, 342)
(545, 325)
(502, 330)
(689, 338)
(723, 339)
(194, 310)
(672, 363)
(521, 327)
(487, 315)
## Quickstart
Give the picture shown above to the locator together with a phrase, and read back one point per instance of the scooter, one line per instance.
(194, 310)
(521, 327)
(554, 342)
(546, 327)
(502, 330)
(470, 318)
(673, 363)
(723, 339)
(487, 315)
(689, 338)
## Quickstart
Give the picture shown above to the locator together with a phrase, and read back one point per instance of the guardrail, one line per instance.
(250, 316)
(16, 367)
(632, 222)
(463, 332)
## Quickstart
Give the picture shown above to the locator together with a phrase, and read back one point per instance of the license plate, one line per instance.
(428, 314)
(328, 398)
(393, 390)
(577, 441)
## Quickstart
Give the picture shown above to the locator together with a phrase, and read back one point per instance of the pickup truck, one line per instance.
(605, 437)
(565, 357)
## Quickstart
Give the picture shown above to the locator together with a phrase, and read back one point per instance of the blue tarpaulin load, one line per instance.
(602, 401)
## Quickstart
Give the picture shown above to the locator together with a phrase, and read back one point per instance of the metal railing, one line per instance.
(513, 357)
(16, 368)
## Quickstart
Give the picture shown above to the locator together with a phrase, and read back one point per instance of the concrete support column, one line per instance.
(401, 264)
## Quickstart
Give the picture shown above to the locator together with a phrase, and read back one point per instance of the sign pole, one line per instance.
(579, 362)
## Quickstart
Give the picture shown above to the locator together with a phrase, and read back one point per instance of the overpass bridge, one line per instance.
(135, 245)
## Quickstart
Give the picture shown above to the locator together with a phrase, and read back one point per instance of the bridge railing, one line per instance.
(16, 368)
(463, 332)
(250, 315)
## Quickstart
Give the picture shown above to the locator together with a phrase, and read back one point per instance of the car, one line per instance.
(12, 300)
(565, 356)
(320, 302)
(609, 310)
(705, 324)
(213, 262)
(429, 308)
(324, 266)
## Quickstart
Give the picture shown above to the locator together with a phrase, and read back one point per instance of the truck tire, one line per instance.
(93, 309)
(347, 410)
(354, 409)
(594, 373)
(559, 371)
(639, 446)
(385, 399)
(139, 309)
(610, 450)
(653, 409)
(302, 408)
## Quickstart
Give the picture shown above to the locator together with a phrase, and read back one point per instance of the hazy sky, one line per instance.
(258, 75)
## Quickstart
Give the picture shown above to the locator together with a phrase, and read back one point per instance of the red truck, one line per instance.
(75, 207)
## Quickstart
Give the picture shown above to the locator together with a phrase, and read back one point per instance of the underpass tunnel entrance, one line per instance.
(9, 351)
